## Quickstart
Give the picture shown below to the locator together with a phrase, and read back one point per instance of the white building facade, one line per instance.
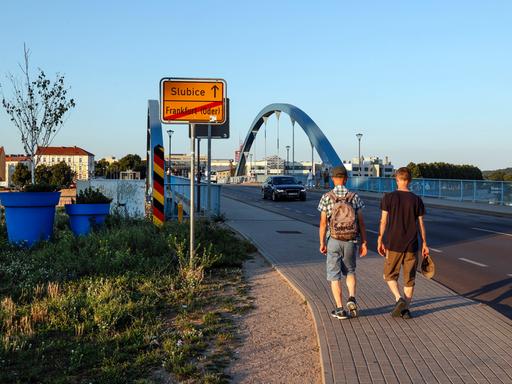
(79, 160)
(370, 167)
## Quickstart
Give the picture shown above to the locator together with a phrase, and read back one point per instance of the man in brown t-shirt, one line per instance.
(402, 218)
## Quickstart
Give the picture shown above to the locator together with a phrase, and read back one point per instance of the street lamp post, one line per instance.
(287, 159)
(359, 136)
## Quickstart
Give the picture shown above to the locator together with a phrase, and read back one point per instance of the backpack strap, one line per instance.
(350, 196)
(333, 196)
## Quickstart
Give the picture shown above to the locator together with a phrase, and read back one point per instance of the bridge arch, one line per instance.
(317, 138)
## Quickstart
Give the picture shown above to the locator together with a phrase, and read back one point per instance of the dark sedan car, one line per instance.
(283, 187)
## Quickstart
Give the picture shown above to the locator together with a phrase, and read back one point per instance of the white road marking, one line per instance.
(488, 230)
(472, 262)
(435, 250)
(288, 209)
(298, 211)
(372, 231)
(309, 214)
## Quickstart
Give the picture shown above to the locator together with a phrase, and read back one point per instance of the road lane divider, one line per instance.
(496, 232)
(472, 262)
(372, 231)
(435, 250)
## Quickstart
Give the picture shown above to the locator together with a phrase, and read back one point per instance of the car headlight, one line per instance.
(280, 190)
(303, 190)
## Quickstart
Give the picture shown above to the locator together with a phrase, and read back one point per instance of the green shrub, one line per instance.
(92, 196)
(40, 187)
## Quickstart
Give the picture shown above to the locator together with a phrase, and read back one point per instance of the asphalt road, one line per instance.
(472, 251)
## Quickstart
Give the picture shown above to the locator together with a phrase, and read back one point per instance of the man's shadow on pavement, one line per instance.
(418, 306)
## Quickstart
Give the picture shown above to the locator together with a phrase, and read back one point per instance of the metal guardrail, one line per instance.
(179, 191)
(482, 191)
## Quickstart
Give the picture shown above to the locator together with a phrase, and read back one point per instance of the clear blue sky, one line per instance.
(422, 80)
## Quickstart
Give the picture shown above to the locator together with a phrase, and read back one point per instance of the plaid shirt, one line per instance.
(326, 203)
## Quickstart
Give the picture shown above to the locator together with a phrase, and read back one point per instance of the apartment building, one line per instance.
(372, 166)
(79, 160)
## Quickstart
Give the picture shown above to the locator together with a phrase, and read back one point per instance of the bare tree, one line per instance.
(37, 108)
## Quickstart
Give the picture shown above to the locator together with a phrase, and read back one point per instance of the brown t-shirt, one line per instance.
(403, 210)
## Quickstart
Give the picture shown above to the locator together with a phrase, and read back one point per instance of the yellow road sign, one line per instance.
(193, 100)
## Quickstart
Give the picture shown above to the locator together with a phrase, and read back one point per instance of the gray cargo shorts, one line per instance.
(341, 259)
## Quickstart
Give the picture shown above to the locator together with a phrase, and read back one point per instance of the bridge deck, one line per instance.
(451, 339)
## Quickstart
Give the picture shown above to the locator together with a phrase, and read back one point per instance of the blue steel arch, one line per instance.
(314, 133)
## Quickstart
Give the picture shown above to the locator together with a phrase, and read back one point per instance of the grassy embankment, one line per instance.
(123, 305)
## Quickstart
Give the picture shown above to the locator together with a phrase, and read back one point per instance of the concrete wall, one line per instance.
(128, 196)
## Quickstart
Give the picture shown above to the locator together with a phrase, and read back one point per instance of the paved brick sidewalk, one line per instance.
(451, 339)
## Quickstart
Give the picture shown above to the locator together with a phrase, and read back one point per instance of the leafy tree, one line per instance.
(37, 108)
(21, 175)
(43, 174)
(113, 170)
(142, 168)
(496, 176)
(415, 170)
(130, 161)
(440, 170)
(62, 175)
(101, 168)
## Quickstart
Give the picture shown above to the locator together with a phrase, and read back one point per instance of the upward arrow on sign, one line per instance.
(215, 89)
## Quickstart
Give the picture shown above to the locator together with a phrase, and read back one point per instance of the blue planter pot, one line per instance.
(83, 217)
(29, 216)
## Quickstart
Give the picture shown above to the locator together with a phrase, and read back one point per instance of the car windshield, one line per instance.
(284, 180)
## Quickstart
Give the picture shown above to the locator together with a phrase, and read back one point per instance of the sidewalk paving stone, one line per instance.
(451, 339)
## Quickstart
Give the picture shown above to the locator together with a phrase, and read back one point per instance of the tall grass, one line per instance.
(103, 308)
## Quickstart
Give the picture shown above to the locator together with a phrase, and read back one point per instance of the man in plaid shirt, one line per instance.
(341, 255)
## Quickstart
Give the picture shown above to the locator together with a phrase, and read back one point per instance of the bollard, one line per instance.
(180, 212)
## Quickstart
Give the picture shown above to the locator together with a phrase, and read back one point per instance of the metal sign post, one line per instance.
(192, 158)
(198, 175)
(192, 101)
(209, 179)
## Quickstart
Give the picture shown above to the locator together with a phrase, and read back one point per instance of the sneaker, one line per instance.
(339, 313)
(400, 306)
(352, 306)
(406, 314)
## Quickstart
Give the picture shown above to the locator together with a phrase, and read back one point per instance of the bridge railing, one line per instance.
(482, 191)
(178, 190)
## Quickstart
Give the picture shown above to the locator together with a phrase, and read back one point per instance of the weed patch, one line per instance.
(122, 305)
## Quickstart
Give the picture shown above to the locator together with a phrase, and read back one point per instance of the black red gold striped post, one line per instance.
(158, 186)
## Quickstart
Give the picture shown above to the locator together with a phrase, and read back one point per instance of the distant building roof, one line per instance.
(63, 151)
(17, 158)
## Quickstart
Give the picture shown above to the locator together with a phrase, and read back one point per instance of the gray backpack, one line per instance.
(343, 220)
